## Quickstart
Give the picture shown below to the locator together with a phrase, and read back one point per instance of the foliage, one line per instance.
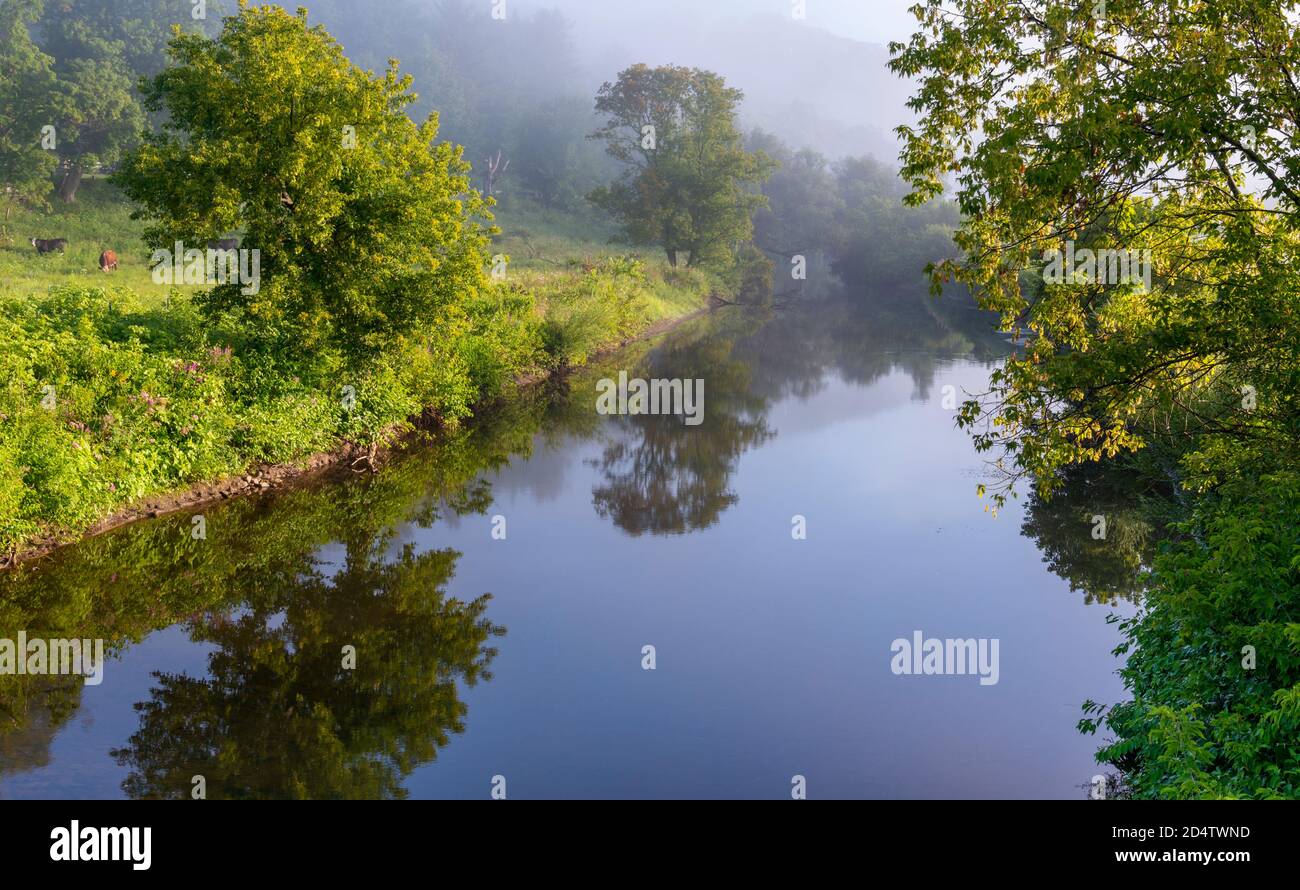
(151, 398)
(1167, 128)
(1214, 657)
(601, 307)
(105, 402)
(684, 188)
(27, 104)
(1128, 133)
(366, 224)
(851, 213)
(508, 85)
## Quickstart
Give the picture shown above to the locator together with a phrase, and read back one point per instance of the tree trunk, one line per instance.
(672, 257)
(68, 187)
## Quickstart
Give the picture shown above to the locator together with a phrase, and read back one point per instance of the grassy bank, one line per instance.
(113, 393)
(98, 220)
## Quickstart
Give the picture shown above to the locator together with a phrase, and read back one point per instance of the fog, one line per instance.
(819, 81)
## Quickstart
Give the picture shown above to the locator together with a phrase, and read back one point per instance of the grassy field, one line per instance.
(98, 220)
(546, 249)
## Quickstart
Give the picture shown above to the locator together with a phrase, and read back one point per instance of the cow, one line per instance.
(49, 245)
(223, 244)
(107, 261)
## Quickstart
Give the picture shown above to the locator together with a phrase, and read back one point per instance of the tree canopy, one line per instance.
(687, 172)
(1167, 128)
(366, 223)
(28, 103)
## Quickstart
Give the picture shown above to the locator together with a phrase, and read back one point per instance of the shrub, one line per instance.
(104, 402)
(1207, 719)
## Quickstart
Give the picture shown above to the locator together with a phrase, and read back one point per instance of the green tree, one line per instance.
(687, 183)
(99, 117)
(1167, 127)
(27, 105)
(367, 226)
(134, 31)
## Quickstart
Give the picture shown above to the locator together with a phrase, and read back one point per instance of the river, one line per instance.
(484, 611)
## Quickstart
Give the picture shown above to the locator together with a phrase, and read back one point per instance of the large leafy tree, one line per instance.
(101, 118)
(1169, 127)
(688, 182)
(28, 102)
(367, 226)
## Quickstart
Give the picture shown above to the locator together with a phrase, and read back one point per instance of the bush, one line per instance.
(104, 402)
(1207, 718)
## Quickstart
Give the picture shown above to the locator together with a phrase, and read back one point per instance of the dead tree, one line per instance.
(495, 170)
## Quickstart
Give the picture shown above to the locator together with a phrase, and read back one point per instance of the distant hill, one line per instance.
(805, 84)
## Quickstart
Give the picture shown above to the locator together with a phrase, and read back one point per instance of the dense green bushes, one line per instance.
(1214, 656)
(143, 400)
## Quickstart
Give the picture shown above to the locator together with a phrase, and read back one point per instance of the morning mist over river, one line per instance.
(610, 400)
(772, 653)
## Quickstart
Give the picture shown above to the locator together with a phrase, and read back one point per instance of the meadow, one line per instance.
(98, 220)
(117, 389)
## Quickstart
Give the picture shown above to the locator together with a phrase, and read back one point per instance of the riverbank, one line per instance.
(265, 477)
(122, 399)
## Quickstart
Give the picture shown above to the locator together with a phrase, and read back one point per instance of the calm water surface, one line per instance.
(772, 654)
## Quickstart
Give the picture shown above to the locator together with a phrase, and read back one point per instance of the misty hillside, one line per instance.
(808, 86)
(811, 87)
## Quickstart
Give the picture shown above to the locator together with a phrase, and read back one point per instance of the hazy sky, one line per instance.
(876, 21)
(820, 80)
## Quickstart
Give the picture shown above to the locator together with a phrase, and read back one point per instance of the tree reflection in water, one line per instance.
(279, 715)
(283, 584)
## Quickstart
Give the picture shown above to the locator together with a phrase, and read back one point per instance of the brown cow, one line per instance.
(107, 261)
